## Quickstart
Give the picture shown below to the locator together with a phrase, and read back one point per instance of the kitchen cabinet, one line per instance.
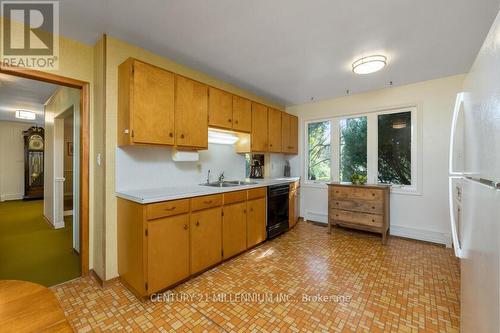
(168, 251)
(234, 229)
(259, 136)
(191, 114)
(256, 221)
(242, 114)
(274, 130)
(220, 109)
(289, 133)
(293, 204)
(145, 104)
(206, 239)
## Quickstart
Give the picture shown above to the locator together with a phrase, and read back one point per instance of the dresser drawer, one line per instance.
(205, 202)
(357, 218)
(364, 206)
(167, 208)
(341, 192)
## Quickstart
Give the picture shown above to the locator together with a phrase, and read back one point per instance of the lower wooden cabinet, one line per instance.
(168, 251)
(234, 229)
(206, 239)
(256, 221)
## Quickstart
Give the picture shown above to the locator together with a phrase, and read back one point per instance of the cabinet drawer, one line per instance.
(257, 193)
(233, 197)
(168, 208)
(373, 207)
(357, 218)
(341, 192)
(205, 202)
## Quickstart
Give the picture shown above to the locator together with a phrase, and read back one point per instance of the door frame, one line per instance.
(84, 88)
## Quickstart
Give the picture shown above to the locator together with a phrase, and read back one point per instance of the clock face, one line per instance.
(35, 143)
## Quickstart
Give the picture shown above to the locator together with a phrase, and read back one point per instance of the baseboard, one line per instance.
(316, 217)
(9, 197)
(103, 283)
(68, 213)
(423, 235)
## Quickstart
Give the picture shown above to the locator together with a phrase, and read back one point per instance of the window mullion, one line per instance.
(372, 147)
(335, 169)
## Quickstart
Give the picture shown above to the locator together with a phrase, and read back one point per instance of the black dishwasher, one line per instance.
(277, 210)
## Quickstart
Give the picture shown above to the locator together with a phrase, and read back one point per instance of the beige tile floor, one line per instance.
(303, 281)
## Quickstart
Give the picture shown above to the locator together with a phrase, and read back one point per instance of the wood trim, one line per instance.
(84, 145)
(104, 283)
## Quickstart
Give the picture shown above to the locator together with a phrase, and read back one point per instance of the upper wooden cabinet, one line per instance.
(289, 133)
(220, 108)
(274, 132)
(242, 114)
(145, 104)
(259, 140)
(191, 113)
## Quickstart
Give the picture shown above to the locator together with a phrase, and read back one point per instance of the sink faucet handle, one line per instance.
(221, 177)
(208, 177)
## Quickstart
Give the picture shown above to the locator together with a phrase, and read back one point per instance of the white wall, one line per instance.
(12, 159)
(424, 216)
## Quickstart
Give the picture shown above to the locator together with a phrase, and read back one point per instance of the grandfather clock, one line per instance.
(33, 163)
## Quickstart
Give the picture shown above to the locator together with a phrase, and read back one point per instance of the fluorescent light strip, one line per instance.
(25, 115)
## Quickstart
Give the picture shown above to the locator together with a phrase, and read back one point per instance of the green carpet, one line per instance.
(31, 250)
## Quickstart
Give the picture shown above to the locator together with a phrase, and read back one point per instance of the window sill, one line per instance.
(405, 191)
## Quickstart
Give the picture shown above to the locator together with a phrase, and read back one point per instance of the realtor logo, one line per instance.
(30, 34)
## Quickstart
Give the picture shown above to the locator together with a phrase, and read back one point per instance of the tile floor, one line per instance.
(304, 281)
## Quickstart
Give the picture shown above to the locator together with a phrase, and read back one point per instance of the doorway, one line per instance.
(60, 218)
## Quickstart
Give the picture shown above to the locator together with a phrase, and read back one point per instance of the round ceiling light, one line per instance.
(368, 65)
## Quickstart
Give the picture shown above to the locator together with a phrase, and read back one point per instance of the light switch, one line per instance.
(99, 159)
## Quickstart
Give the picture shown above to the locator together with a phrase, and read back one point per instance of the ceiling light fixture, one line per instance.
(368, 65)
(25, 114)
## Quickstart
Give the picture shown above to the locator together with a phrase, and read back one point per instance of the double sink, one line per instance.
(230, 183)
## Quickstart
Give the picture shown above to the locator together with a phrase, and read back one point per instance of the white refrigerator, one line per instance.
(475, 189)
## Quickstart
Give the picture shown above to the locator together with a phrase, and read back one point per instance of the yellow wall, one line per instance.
(117, 52)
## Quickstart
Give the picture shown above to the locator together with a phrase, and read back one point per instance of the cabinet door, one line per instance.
(294, 135)
(206, 238)
(242, 114)
(220, 109)
(168, 251)
(256, 221)
(234, 229)
(274, 131)
(191, 114)
(292, 202)
(259, 128)
(285, 133)
(152, 109)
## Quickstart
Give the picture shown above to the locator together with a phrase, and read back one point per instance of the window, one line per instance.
(353, 143)
(394, 148)
(381, 145)
(319, 151)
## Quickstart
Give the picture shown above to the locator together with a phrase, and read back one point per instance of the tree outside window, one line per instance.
(319, 150)
(353, 147)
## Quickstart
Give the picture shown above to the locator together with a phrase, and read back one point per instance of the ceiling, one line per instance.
(293, 51)
(19, 93)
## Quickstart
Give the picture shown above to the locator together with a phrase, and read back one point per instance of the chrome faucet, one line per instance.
(221, 177)
(208, 177)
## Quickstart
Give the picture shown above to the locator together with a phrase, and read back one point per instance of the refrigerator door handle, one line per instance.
(456, 112)
(454, 227)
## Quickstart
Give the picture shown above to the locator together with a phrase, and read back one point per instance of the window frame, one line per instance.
(372, 147)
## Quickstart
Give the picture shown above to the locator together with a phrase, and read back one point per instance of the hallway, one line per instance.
(31, 250)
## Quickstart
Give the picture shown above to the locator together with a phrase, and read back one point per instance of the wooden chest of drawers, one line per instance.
(364, 207)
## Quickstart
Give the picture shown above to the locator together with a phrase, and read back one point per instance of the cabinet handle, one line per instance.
(236, 121)
(185, 227)
(171, 134)
(207, 202)
(182, 136)
(270, 145)
(251, 209)
(197, 223)
(244, 211)
(170, 209)
(229, 120)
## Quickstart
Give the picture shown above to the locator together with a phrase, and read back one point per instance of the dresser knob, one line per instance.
(373, 220)
(373, 194)
(373, 207)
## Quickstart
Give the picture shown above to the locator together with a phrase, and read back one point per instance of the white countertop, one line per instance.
(151, 195)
